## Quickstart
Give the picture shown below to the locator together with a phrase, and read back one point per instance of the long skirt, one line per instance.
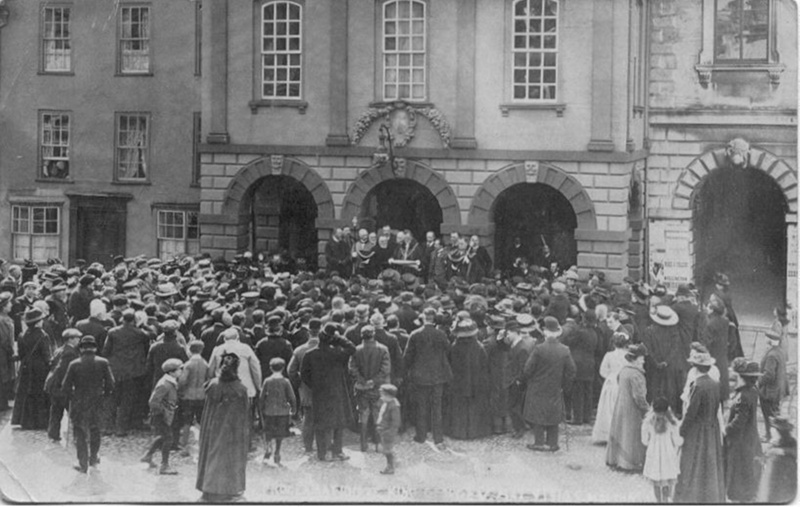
(605, 410)
(467, 418)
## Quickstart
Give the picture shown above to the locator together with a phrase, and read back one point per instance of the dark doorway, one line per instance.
(283, 215)
(99, 225)
(740, 229)
(539, 215)
(402, 204)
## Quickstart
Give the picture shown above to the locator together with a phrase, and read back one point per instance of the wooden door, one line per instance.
(100, 230)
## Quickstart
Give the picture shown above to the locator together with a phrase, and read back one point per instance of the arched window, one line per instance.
(281, 50)
(534, 47)
(404, 50)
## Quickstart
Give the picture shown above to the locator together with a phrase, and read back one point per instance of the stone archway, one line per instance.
(692, 183)
(225, 230)
(415, 171)
(699, 168)
(481, 213)
(274, 166)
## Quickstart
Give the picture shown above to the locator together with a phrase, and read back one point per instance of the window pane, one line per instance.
(134, 44)
(755, 29)
(281, 52)
(727, 30)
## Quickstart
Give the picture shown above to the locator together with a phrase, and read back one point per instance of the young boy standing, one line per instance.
(191, 392)
(163, 404)
(388, 424)
(278, 403)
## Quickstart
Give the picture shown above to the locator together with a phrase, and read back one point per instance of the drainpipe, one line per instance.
(646, 141)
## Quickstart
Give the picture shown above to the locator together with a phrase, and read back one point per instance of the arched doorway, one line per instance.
(740, 229)
(282, 218)
(539, 215)
(402, 204)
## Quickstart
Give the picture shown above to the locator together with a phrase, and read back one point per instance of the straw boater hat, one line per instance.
(698, 358)
(665, 316)
(166, 290)
(466, 328)
(526, 322)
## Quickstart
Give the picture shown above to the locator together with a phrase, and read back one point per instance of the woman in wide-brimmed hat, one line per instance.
(31, 408)
(742, 445)
(702, 478)
(466, 411)
(666, 366)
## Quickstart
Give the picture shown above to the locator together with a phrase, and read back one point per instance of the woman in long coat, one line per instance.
(609, 369)
(742, 445)
(702, 478)
(224, 435)
(714, 336)
(625, 448)
(468, 416)
(6, 352)
(31, 407)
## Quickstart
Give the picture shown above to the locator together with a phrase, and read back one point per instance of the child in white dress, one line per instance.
(661, 435)
(609, 368)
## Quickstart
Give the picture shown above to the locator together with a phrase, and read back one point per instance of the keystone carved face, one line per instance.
(738, 153)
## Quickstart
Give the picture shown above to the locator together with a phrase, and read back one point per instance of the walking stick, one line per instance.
(564, 422)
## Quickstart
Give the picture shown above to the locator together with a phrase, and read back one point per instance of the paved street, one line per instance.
(497, 469)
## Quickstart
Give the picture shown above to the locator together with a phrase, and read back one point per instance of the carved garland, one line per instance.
(434, 116)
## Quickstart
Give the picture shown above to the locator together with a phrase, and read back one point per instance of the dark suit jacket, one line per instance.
(549, 371)
(324, 371)
(426, 354)
(78, 303)
(126, 350)
(65, 355)
(88, 379)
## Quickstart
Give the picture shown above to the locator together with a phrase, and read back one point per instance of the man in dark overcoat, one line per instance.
(126, 350)
(714, 335)
(773, 386)
(582, 345)
(522, 345)
(428, 370)
(80, 298)
(548, 372)
(87, 381)
(324, 371)
(52, 385)
(689, 317)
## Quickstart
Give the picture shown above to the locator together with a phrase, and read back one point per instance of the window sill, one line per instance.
(558, 107)
(398, 103)
(134, 74)
(56, 73)
(54, 180)
(255, 105)
(123, 182)
(705, 71)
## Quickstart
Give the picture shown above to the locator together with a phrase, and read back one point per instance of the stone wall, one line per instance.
(465, 188)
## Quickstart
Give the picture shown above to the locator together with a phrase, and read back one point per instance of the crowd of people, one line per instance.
(394, 334)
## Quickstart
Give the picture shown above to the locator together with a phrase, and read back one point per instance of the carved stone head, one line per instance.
(738, 152)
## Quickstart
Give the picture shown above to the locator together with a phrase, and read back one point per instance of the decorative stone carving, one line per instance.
(401, 119)
(276, 163)
(531, 171)
(399, 168)
(738, 153)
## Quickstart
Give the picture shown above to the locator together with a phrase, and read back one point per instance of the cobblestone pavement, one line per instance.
(496, 469)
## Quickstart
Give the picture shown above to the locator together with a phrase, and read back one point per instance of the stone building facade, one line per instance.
(714, 120)
(466, 139)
